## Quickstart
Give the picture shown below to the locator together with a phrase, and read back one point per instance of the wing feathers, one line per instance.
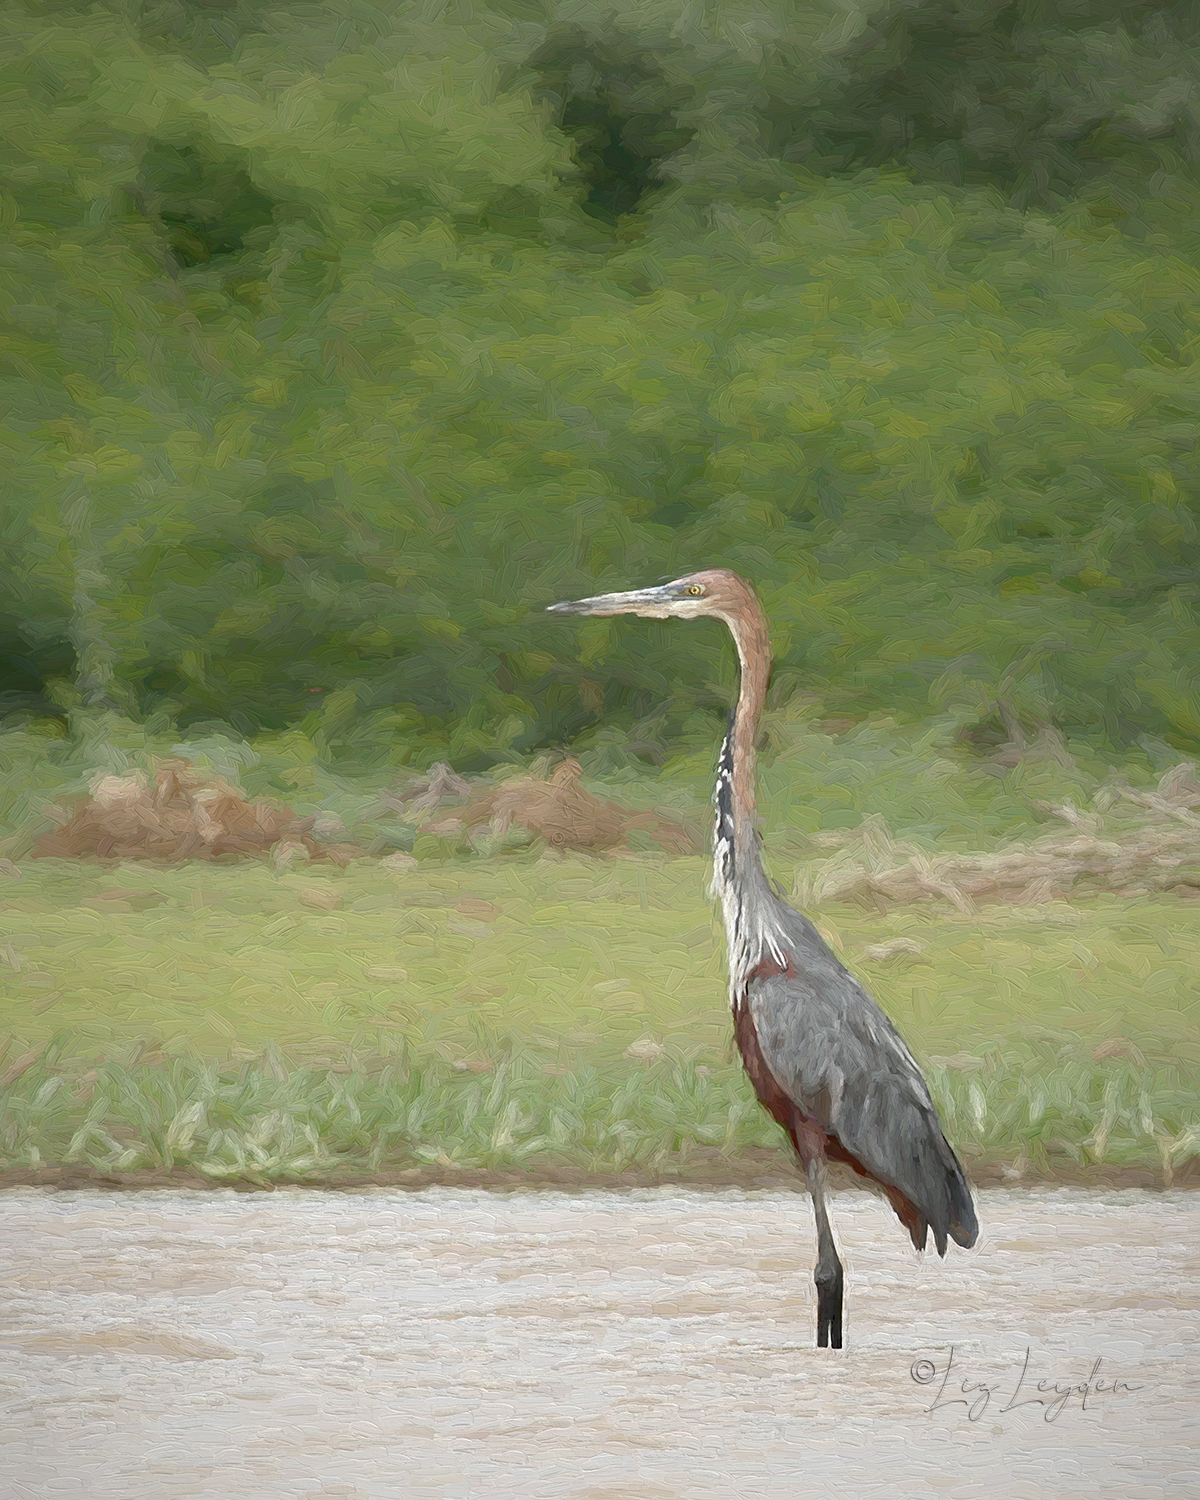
(839, 1058)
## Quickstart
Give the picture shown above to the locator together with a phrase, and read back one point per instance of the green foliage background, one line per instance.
(338, 338)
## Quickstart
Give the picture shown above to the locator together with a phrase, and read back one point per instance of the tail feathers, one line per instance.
(964, 1226)
(961, 1225)
(953, 1212)
(931, 1178)
(932, 1195)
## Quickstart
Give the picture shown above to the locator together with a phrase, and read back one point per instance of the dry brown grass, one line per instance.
(559, 810)
(185, 814)
(1130, 842)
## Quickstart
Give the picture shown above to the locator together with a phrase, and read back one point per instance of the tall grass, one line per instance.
(374, 1112)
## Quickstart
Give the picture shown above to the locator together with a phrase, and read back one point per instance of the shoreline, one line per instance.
(752, 1170)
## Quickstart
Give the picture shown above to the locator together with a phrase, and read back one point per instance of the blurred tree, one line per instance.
(338, 339)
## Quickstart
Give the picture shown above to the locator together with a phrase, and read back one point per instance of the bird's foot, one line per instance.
(829, 1330)
(829, 1310)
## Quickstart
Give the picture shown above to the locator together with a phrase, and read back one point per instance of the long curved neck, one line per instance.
(735, 800)
(738, 876)
(754, 656)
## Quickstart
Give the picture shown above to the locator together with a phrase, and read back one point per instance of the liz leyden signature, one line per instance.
(1051, 1395)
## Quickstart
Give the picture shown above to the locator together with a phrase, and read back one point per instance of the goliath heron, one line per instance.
(824, 1060)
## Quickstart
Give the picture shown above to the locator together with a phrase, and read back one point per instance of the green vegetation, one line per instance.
(337, 339)
(340, 338)
(530, 1013)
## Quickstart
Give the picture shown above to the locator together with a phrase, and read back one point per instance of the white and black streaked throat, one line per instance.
(739, 882)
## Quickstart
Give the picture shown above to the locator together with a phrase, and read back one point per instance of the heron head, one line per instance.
(716, 592)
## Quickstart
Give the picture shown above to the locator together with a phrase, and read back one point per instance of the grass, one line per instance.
(518, 1013)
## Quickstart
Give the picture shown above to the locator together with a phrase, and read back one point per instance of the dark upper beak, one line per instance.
(655, 603)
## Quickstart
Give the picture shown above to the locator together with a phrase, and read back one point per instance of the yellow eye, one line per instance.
(695, 590)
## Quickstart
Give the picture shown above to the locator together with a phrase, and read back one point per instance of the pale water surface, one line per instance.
(593, 1346)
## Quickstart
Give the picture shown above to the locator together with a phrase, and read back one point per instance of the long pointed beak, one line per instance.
(654, 603)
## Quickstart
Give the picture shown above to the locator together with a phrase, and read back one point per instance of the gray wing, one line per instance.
(839, 1057)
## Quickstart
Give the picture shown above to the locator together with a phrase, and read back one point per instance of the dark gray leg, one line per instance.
(827, 1274)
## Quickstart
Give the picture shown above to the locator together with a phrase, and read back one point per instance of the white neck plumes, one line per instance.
(747, 902)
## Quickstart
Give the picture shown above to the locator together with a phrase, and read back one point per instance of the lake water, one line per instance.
(655, 1345)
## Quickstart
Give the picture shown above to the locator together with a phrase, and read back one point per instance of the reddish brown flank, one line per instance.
(811, 1139)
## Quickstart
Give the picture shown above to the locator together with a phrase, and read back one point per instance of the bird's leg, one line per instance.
(827, 1274)
(809, 1140)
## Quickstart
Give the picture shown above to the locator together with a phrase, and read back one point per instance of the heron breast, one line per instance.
(771, 1093)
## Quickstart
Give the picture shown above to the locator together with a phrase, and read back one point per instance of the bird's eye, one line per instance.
(695, 590)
